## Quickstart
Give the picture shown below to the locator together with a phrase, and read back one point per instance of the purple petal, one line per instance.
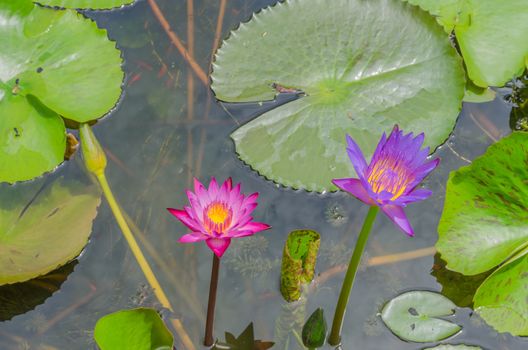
(218, 245)
(397, 215)
(256, 226)
(356, 156)
(193, 237)
(422, 171)
(415, 196)
(184, 217)
(354, 187)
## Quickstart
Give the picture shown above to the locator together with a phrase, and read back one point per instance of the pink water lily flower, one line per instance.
(218, 214)
(398, 165)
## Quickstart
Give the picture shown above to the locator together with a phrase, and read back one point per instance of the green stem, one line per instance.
(335, 335)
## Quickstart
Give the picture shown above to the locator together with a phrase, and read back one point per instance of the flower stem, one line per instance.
(209, 340)
(95, 162)
(335, 335)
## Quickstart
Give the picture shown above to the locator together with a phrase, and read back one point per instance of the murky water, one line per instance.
(168, 129)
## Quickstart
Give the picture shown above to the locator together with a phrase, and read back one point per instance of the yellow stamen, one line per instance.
(218, 213)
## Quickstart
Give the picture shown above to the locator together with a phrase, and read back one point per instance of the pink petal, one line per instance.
(199, 189)
(397, 215)
(218, 245)
(213, 189)
(354, 187)
(256, 226)
(192, 237)
(356, 157)
(184, 217)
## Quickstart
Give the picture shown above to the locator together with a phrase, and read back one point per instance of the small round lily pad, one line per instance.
(413, 316)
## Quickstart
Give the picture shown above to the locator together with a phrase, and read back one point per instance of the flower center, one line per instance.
(390, 175)
(217, 217)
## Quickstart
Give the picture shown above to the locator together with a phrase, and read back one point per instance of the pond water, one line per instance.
(169, 128)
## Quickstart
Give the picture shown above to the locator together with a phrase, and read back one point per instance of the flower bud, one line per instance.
(93, 154)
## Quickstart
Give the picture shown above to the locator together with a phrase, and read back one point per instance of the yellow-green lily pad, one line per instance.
(43, 226)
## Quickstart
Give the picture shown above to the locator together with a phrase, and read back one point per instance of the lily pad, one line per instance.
(19, 298)
(138, 329)
(61, 58)
(502, 299)
(32, 139)
(454, 347)
(53, 62)
(43, 226)
(362, 65)
(491, 35)
(412, 316)
(460, 289)
(492, 192)
(86, 4)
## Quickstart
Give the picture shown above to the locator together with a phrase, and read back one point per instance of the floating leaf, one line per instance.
(457, 287)
(61, 58)
(298, 262)
(245, 341)
(454, 347)
(314, 330)
(86, 4)
(502, 299)
(32, 139)
(43, 226)
(19, 298)
(363, 65)
(412, 316)
(492, 192)
(491, 35)
(477, 94)
(137, 329)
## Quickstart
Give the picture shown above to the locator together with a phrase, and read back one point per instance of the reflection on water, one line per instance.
(167, 129)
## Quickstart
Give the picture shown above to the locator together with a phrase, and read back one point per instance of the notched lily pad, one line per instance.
(86, 4)
(43, 226)
(412, 316)
(32, 139)
(491, 35)
(502, 300)
(61, 58)
(137, 329)
(363, 65)
(19, 298)
(492, 192)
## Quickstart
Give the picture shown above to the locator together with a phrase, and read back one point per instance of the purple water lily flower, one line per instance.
(398, 165)
(218, 214)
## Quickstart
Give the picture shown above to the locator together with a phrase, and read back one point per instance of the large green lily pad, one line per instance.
(412, 316)
(137, 329)
(61, 58)
(32, 138)
(491, 35)
(363, 65)
(502, 299)
(485, 217)
(86, 4)
(52, 62)
(42, 228)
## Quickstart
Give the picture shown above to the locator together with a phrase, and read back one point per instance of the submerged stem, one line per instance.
(95, 161)
(208, 340)
(335, 334)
